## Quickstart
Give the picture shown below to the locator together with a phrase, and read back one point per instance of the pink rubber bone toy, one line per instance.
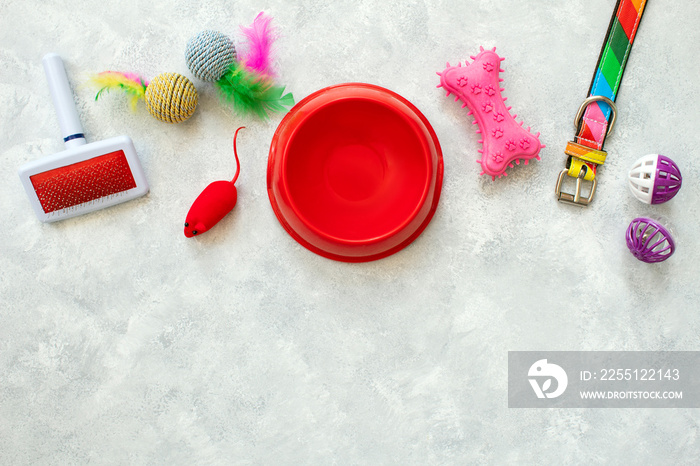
(504, 141)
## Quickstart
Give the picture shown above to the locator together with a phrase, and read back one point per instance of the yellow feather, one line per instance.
(133, 85)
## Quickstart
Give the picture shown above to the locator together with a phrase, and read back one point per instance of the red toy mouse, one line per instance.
(217, 200)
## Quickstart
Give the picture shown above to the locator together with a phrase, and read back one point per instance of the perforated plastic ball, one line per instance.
(171, 97)
(655, 179)
(649, 241)
(208, 54)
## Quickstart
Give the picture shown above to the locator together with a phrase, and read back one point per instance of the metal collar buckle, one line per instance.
(575, 198)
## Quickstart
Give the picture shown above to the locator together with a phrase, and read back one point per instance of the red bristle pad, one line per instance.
(84, 181)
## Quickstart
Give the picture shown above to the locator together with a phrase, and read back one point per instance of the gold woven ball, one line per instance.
(171, 97)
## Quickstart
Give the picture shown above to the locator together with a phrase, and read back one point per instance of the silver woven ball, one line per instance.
(208, 54)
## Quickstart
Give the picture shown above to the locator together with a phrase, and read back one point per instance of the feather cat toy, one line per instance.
(170, 97)
(217, 200)
(245, 80)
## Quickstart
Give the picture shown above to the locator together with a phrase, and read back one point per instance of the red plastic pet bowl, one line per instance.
(355, 172)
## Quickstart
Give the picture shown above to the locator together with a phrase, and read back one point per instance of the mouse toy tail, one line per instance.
(235, 153)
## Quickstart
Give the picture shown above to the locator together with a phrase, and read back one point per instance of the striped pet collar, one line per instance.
(596, 116)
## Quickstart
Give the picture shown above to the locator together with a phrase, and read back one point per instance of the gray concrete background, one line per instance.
(121, 341)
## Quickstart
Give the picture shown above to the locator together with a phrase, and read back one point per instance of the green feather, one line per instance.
(249, 93)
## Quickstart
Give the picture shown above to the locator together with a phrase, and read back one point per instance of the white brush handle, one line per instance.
(62, 96)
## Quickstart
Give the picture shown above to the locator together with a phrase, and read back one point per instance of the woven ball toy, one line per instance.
(245, 79)
(170, 97)
(209, 54)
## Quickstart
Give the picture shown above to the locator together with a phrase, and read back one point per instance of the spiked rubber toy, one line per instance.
(478, 85)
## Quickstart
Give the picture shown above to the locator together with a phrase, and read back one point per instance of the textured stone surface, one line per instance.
(121, 341)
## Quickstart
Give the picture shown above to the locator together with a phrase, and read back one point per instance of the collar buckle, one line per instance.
(574, 198)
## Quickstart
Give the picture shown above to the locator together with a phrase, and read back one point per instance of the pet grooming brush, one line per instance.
(84, 177)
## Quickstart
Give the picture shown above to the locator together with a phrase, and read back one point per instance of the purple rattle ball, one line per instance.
(655, 179)
(649, 241)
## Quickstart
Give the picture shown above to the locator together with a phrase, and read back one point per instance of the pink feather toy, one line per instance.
(258, 56)
(245, 80)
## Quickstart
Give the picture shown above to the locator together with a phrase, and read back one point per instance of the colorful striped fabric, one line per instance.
(611, 65)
